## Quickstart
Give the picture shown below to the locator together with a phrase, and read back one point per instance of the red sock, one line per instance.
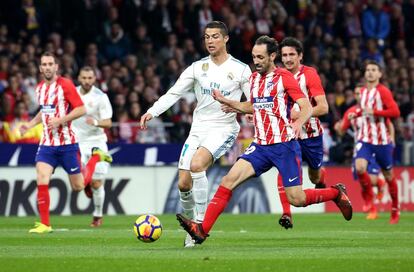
(282, 195)
(380, 183)
(320, 195)
(380, 187)
(216, 207)
(90, 169)
(322, 177)
(393, 190)
(367, 191)
(43, 203)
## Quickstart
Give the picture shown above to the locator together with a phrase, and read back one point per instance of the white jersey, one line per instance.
(98, 107)
(202, 77)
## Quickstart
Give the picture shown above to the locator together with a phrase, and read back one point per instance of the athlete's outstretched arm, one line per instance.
(144, 119)
(184, 84)
(242, 107)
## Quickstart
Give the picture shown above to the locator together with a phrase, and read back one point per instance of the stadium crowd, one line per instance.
(138, 48)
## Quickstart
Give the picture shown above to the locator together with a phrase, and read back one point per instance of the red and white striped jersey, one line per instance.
(272, 96)
(57, 100)
(356, 123)
(310, 84)
(373, 127)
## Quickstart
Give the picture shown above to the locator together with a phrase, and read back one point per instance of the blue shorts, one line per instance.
(68, 156)
(373, 168)
(286, 157)
(383, 154)
(312, 151)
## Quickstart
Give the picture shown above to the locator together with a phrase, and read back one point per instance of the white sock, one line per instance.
(98, 196)
(187, 202)
(200, 188)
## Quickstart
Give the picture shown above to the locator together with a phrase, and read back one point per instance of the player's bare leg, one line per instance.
(98, 198)
(393, 190)
(317, 177)
(44, 172)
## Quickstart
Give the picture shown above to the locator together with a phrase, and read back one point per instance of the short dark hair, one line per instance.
(49, 54)
(220, 25)
(372, 62)
(271, 44)
(87, 69)
(292, 42)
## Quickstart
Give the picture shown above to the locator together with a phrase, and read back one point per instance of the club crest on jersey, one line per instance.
(204, 67)
(48, 109)
(269, 85)
(266, 102)
(230, 76)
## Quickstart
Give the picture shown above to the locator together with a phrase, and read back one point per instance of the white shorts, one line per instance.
(217, 140)
(101, 168)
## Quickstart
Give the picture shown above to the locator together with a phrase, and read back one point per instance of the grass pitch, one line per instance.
(317, 242)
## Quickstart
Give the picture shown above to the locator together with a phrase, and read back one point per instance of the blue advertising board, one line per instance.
(123, 154)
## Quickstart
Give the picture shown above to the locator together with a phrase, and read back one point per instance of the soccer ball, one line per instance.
(148, 228)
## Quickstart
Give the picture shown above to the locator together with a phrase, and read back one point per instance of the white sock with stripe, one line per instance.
(200, 188)
(187, 203)
(98, 196)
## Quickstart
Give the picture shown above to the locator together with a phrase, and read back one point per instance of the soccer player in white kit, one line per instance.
(89, 130)
(213, 132)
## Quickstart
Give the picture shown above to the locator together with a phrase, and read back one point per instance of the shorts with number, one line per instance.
(68, 156)
(286, 157)
(383, 154)
(217, 140)
(101, 168)
(373, 168)
(312, 151)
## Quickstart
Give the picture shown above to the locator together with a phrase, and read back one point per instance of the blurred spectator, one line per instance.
(350, 21)
(371, 52)
(116, 45)
(376, 22)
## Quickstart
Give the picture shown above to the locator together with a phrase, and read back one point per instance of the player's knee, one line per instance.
(43, 178)
(77, 187)
(360, 169)
(184, 185)
(197, 166)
